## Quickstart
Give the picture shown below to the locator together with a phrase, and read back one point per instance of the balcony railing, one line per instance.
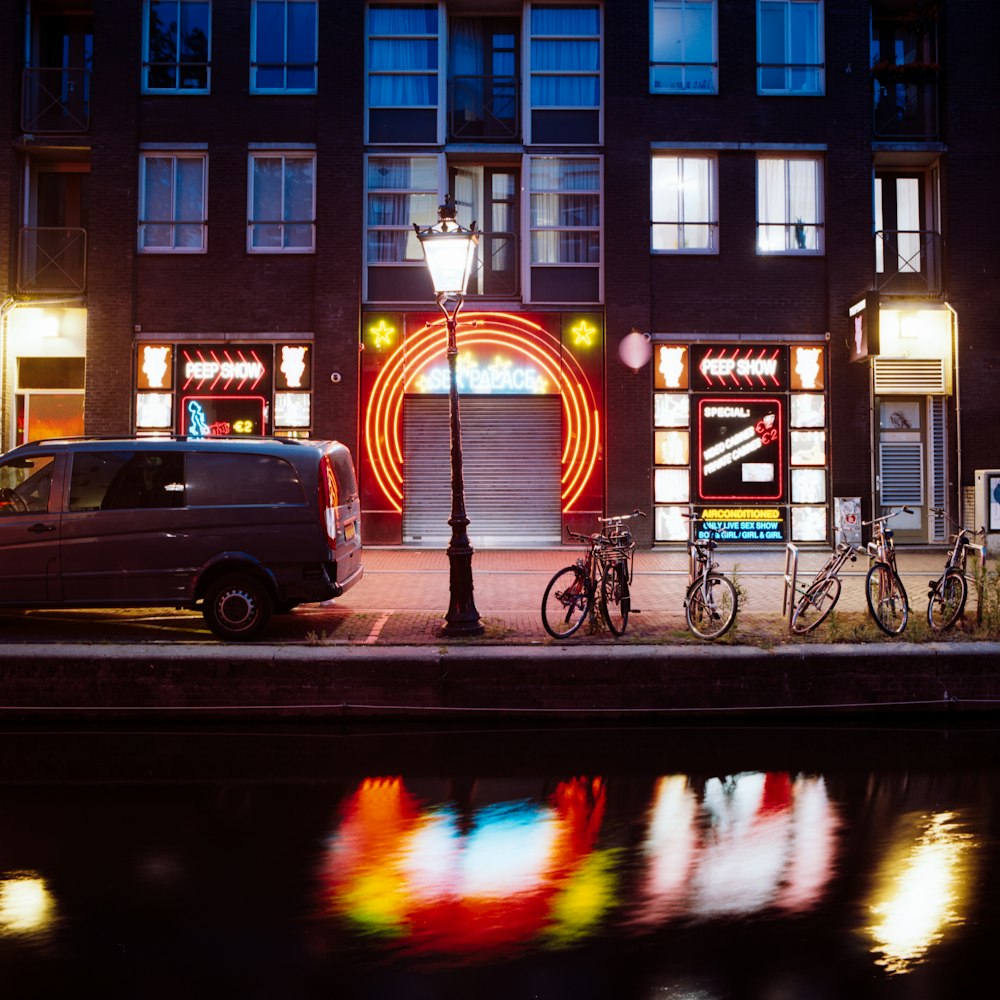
(909, 262)
(496, 270)
(483, 108)
(52, 260)
(55, 100)
(906, 105)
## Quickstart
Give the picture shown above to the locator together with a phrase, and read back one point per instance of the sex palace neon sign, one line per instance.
(499, 375)
(741, 452)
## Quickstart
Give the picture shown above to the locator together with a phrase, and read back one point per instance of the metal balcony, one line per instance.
(909, 262)
(483, 108)
(55, 101)
(906, 107)
(52, 260)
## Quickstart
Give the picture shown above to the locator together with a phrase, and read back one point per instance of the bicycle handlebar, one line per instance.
(622, 517)
(886, 517)
(972, 532)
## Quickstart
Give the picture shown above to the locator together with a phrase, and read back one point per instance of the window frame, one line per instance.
(790, 66)
(255, 64)
(174, 155)
(437, 72)
(369, 227)
(712, 223)
(654, 63)
(177, 89)
(790, 226)
(530, 230)
(284, 154)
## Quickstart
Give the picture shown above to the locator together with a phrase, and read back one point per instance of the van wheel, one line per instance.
(237, 607)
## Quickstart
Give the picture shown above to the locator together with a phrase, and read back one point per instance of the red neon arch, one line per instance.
(383, 417)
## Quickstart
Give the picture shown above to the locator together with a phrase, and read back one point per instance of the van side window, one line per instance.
(25, 484)
(221, 480)
(123, 480)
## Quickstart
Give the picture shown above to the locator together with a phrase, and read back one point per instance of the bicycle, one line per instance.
(947, 594)
(601, 579)
(821, 596)
(711, 601)
(884, 591)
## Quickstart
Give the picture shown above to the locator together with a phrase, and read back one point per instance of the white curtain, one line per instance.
(403, 69)
(565, 65)
(908, 223)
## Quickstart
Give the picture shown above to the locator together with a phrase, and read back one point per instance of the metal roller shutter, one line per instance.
(511, 458)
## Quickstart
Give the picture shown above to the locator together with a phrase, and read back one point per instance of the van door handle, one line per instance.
(38, 529)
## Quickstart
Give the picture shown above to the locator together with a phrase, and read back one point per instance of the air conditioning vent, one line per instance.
(914, 376)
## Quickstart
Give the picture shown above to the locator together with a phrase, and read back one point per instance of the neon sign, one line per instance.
(747, 369)
(742, 524)
(500, 377)
(741, 449)
(224, 370)
(223, 416)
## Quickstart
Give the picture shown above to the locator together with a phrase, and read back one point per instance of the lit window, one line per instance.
(670, 524)
(565, 210)
(671, 409)
(177, 46)
(789, 205)
(282, 203)
(808, 486)
(809, 524)
(154, 409)
(671, 485)
(684, 204)
(683, 46)
(402, 190)
(807, 410)
(671, 367)
(672, 447)
(283, 47)
(790, 47)
(172, 202)
(808, 447)
(292, 409)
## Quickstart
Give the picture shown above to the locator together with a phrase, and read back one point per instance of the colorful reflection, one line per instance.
(753, 841)
(436, 878)
(27, 907)
(921, 889)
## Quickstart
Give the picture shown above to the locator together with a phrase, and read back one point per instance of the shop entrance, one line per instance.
(511, 452)
(910, 459)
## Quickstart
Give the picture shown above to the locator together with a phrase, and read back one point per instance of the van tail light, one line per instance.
(328, 499)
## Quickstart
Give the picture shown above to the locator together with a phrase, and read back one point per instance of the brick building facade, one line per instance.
(696, 216)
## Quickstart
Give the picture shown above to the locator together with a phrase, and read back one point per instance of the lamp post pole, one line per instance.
(449, 251)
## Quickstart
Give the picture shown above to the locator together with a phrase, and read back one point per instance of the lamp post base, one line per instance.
(462, 618)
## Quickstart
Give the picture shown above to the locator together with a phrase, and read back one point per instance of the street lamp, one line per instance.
(449, 250)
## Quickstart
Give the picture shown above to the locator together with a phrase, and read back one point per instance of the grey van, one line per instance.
(240, 528)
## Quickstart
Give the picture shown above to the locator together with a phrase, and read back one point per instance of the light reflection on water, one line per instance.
(652, 863)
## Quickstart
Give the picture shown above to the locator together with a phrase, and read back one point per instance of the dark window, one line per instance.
(50, 373)
(221, 480)
(124, 480)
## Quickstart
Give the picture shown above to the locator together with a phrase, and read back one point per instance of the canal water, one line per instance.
(693, 863)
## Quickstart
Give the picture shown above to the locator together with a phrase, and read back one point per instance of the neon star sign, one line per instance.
(584, 334)
(383, 334)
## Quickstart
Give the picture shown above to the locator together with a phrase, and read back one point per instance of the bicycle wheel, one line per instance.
(815, 604)
(615, 602)
(947, 600)
(886, 599)
(710, 607)
(566, 602)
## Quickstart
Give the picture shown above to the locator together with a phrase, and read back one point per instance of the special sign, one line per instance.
(740, 448)
(739, 368)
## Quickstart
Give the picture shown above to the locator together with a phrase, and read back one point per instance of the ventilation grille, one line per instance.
(923, 376)
(902, 471)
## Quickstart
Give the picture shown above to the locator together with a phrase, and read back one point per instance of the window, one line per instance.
(172, 202)
(177, 46)
(565, 56)
(282, 203)
(401, 190)
(790, 47)
(684, 47)
(685, 214)
(25, 484)
(403, 58)
(565, 215)
(123, 480)
(283, 47)
(789, 205)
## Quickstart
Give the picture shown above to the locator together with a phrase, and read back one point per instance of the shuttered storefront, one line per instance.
(511, 452)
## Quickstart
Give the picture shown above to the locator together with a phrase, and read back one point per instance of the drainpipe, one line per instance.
(958, 409)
